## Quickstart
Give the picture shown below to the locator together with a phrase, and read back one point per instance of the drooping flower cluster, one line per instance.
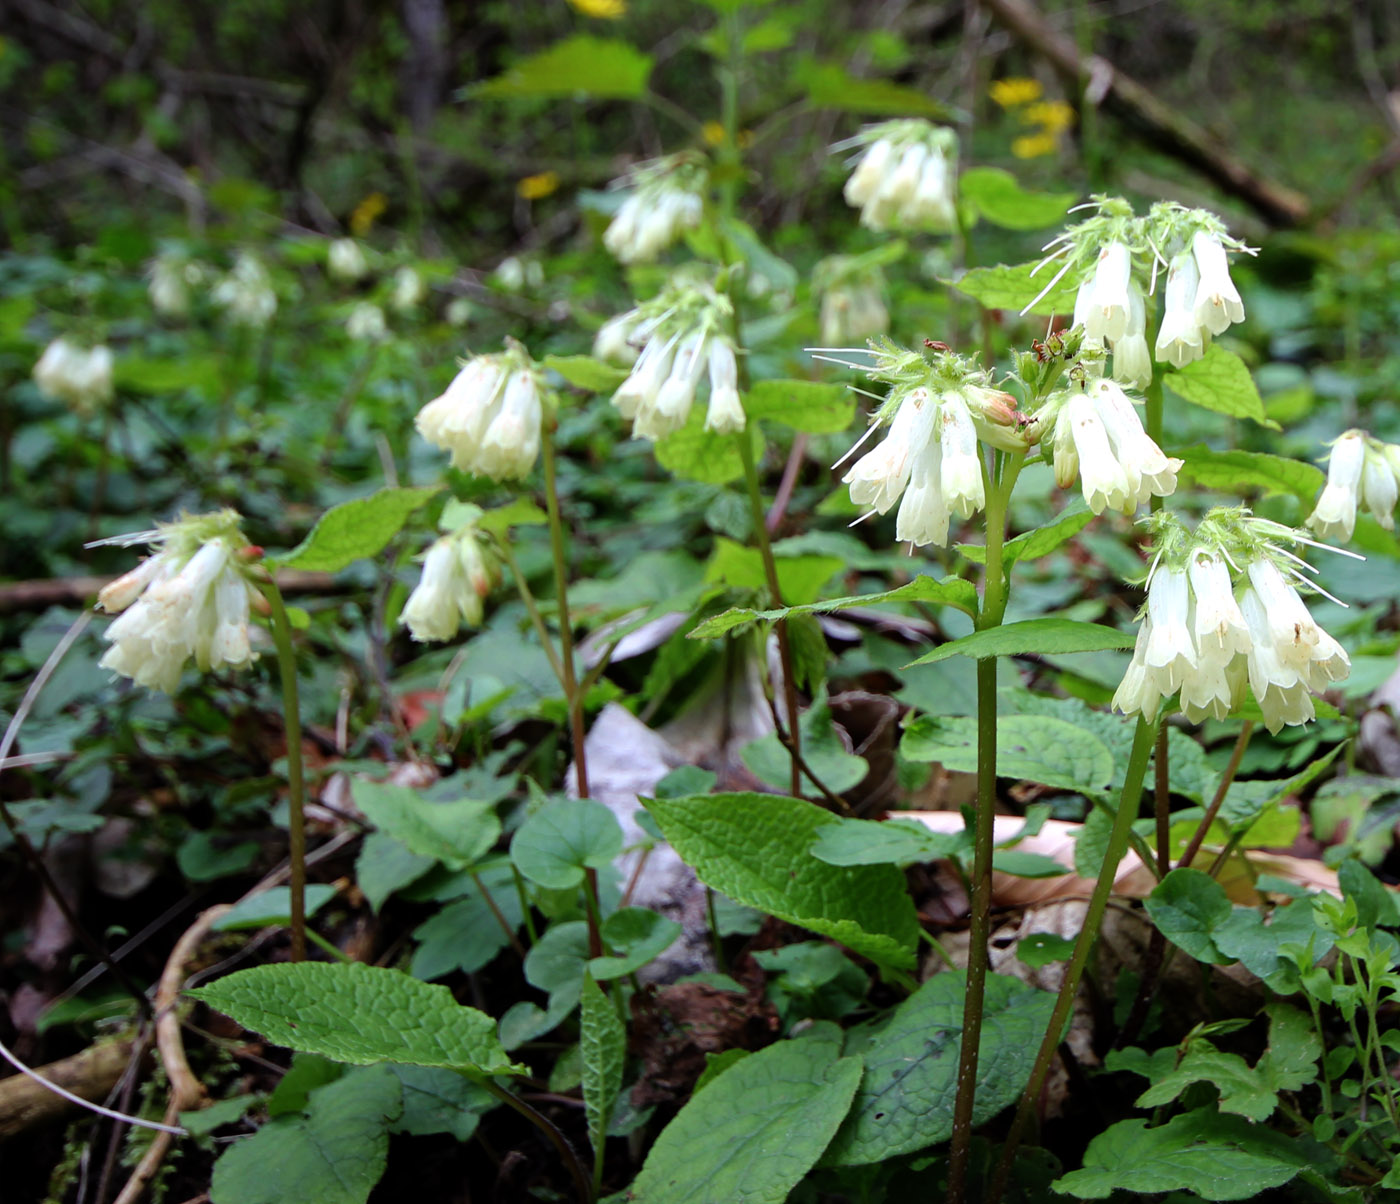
(366, 323)
(459, 571)
(410, 290)
(1361, 470)
(666, 197)
(192, 598)
(852, 292)
(1095, 433)
(1115, 256)
(905, 176)
(345, 261)
(937, 409)
(1224, 612)
(172, 277)
(76, 375)
(490, 416)
(245, 294)
(684, 337)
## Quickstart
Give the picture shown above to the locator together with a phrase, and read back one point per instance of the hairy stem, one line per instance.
(573, 697)
(1193, 846)
(296, 783)
(1098, 901)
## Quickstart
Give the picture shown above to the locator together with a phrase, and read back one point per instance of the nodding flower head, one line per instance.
(246, 295)
(852, 292)
(76, 375)
(676, 342)
(190, 598)
(490, 416)
(345, 261)
(938, 411)
(459, 571)
(665, 198)
(1362, 473)
(905, 176)
(1224, 613)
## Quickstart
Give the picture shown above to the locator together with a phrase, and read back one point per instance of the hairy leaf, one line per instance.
(354, 530)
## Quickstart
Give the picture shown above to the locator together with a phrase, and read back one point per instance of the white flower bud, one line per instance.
(345, 261)
(1334, 516)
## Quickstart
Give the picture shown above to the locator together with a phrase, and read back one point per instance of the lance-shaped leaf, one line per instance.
(1045, 636)
(354, 530)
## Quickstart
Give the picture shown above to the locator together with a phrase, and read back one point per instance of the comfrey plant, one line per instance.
(905, 176)
(79, 376)
(459, 571)
(1361, 472)
(665, 198)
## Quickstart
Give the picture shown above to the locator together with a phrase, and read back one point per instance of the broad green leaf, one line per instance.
(951, 591)
(1031, 545)
(354, 530)
(635, 935)
(804, 405)
(522, 512)
(831, 86)
(1003, 287)
(334, 1154)
(1035, 748)
(556, 963)
(889, 842)
(273, 906)
(385, 865)
(822, 749)
(576, 67)
(1216, 1157)
(754, 1132)
(755, 849)
(695, 454)
(557, 844)
(137, 374)
(585, 372)
(602, 1043)
(998, 196)
(1259, 945)
(1021, 864)
(440, 1101)
(1187, 906)
(457, 833)
(1049, 635)
(468, 933)
(307, 1072)
(1247, 804)
(1375, 906)
(1243, 1090)
(799, 577)
(1234, 472)
(360, 1014)
(1219, 381)
(907, 1090)
(1042, 948)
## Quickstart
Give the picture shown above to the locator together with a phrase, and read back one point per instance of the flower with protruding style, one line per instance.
(665, 198)
(192, 598)
(905, 175)
(1095, 434)
(1224, 613)
(490, 416)
(685, 340)
(77, 375)
(1361, 472)
(459, 571)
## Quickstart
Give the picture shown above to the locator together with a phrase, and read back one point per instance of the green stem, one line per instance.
(1098, 901)
(1193, 846)
(990, 614)
(296, 784)
(770, 572)
(327, 947)
(532, 609)
(524, 905)
(572, 695)
(714, 929)
(561, 1143)
(500, 916)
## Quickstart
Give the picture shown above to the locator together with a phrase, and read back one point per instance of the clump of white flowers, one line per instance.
(366, 323)
(939, 409)
(173, 275)
(191, 598)
(665, 198)
(1094, 433)
(1361, 471)
(345, 261)
(245, 294)
(1224, 612)
(459, 571)
(676, 341)
(74, 374)
(852, 292)
(410, 290)
(1117, 258)
(490, 416)
(905, 176)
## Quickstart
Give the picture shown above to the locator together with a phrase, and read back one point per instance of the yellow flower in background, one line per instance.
(1053, 116)
(604, 10)
(532, 188)
(1009, 93)
(712, 132)
(366, 213)
(1032, 146)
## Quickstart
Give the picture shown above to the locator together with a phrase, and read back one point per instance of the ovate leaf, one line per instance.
(754, 1132)
(1014, 288)
(1219, 381)
(334, 1154)
(1045, 636)
(831, 86)
(1234, 472)
(354, 530)
(998, 196)
(557, 844)
(578, 66)
(755, 849)
(456, 833)
(1034, 748)
(906, 1095)
(695, 454)
(1188, 906)
(360, 1014)
(804, 405)
(1042, 541)
(584, 372)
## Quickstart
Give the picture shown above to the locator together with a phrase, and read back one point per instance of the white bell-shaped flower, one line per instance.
(1171, 651)
(1218, 302)
(905, 176)
(245, 294)
(345, 261)
(1334, 516)
(666, 198)
(458, 574)
(1181, 338)
(1132, 361)
(879, 477)
(961, 467)
(726, 411)
(81, 377)
(490, 416)
(366, 323)
(1219, 627)
(410, 290)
